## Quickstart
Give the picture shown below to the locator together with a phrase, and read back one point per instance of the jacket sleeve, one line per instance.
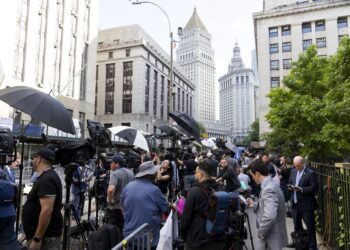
(312, 184)
(269, 214)
(187, 216)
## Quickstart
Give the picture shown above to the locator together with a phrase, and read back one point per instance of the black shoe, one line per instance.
(291, 245)
(289, 214)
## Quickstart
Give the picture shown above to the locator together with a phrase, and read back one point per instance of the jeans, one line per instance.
(78, 203)
(8, 239)
(189, 181)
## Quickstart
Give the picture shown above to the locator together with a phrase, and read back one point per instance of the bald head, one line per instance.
(298, 162)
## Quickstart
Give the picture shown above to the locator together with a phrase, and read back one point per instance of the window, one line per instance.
(109, 96)
(287, 63)
(126, 124)
(275, 82)
(127, 52)
(321, 42)
(127, 87)
(320, 25)
(110, 55)
(342, 22)
(108, 125)
(273, 32)
(178, 99)
(162, 86)
(155, 92)
(183, 101)
(247, 78)
(237, 79)
(274, 64)
(307, 43)
(186, 103)
(242, 79)
(273, 48)
(286, 30)
(306, 27)
(287, 47)
(147, 78)
(191, 105)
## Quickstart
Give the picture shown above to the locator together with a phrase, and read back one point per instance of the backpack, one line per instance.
(219, 212)
(107, 237)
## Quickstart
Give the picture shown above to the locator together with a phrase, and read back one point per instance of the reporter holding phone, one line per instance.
(303, 184)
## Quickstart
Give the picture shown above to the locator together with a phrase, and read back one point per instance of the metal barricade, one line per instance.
(333, 196)
(140, 239)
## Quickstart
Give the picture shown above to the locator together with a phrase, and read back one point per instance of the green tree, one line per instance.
(201, 127)
(253, 135)
(311, 114)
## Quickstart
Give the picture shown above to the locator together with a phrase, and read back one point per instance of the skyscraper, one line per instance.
(237, 97)
(196, 57)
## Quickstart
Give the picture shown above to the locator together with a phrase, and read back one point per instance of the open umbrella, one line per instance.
(186, 122)
(231, 146)
(209, 143)
(40, 106)
(169, 130)
(131, 135)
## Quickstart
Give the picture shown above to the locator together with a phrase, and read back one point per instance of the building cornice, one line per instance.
(298, 8)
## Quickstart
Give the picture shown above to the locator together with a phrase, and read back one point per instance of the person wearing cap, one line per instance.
(7, 214)
(119, 178)
(41, 216)
(143, 202)
(193, 220)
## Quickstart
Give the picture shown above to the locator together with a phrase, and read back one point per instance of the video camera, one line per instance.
(99, 134)
(6, 141)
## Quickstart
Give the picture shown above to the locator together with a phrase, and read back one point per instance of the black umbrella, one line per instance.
(186, 122)
(169, 130)
(40, 106)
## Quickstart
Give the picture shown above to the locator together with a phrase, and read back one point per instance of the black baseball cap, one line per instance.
(47, 154)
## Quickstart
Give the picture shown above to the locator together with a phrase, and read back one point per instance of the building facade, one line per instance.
(286, 28)
(237, 97)
(133, 79)
(196, 57)
(51, 46)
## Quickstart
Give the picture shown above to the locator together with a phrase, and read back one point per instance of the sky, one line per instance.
(226, 20)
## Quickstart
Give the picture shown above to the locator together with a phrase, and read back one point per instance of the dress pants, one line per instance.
(309, 219)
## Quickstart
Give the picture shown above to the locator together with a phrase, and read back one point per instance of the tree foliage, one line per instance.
(253, 135)
(311, 114)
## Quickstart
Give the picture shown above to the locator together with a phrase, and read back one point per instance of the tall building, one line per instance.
(237, 97)
(196, 57)
(132, 81)
(286, 28)
(51, 45)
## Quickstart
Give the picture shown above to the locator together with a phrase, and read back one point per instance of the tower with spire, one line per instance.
(196, 57)
(237, 94)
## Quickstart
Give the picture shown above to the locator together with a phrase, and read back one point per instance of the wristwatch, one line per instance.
(37, 239)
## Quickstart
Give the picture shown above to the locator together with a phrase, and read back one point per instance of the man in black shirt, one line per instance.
(164, 177)
(228, 176)
(42, 218)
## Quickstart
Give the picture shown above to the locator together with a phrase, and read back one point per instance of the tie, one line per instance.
(296, 184)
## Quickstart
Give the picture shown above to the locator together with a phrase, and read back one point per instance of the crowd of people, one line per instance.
(277, 188)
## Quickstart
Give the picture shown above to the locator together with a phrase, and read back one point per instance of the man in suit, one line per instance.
(303, 185)
(270, 210)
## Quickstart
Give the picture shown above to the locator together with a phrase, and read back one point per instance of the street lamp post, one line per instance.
(170, 90)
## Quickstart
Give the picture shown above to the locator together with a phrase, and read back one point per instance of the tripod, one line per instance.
(241, 242)
(68, 207)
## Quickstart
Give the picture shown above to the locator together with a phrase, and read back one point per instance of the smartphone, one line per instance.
(244, 200)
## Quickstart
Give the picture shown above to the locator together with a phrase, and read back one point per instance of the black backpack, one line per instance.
(107, 237)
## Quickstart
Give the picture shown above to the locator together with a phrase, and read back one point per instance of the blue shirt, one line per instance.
(142, 202)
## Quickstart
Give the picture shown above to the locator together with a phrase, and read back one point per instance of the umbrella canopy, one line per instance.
(169, 130)
(186, 122)
(40, 106)
(231, 146)
(131, 135)
(209, 143)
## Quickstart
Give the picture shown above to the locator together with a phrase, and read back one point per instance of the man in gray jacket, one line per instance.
(270, 210)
